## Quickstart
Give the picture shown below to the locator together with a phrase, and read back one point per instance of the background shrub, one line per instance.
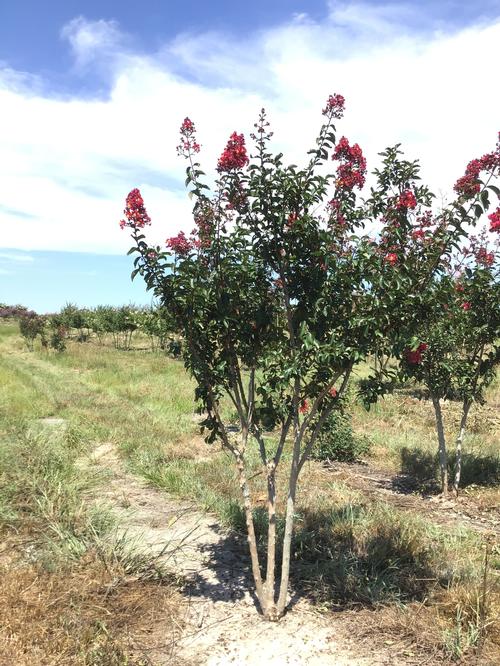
(338, 442)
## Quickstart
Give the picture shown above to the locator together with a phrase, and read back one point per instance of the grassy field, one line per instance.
(351, 551)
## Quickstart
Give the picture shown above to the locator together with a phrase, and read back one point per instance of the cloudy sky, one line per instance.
(92, 95)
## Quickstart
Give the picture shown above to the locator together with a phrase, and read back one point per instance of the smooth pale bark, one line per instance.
(252, 541)
(269, 591)
(287, 538)
(458, 445)
(443, 455)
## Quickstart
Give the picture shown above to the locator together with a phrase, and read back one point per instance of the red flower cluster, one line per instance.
(494, 219)
(234, 155)
(351, 171)
(418, 234)
(468, 185)
(415, 357)
(304, 407)
(484, 257)
(466, 306)
(335, 215)
(188, 144)
(335, 105)
(391, 258)
(134, 211)
(180, 244)
(333, 392)
(406, 200)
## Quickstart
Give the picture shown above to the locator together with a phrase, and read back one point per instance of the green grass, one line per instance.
(403, 437)
(348, 550)
(74, 585)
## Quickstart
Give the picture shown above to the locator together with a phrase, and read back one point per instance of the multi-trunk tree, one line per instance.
(457, 348)
(451, 346)
(279, 292)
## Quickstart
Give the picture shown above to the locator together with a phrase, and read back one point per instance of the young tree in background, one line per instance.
(461, 331)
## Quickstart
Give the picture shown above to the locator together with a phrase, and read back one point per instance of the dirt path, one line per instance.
(221, 625)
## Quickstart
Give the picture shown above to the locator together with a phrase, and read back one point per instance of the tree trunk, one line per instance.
(287, 538)
(443, 456)
(270, 611)
(252, 541)
(458, 445)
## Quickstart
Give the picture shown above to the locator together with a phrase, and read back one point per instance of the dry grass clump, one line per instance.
(427, 589)
(87, 614)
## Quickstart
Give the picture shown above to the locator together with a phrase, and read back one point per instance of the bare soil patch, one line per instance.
(220, 624)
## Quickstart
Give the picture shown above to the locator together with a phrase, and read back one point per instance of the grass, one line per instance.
(402, 432)
(74, 589)
(350, 552)
(81, 617)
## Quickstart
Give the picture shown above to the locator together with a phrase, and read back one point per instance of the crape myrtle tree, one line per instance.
(461, 331)
(455, 349)
(278, 293)
(32, 326)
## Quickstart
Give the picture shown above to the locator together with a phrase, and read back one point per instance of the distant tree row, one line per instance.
(103, 323)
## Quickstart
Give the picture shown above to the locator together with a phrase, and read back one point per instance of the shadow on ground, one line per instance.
(423, 468)
(344, 558)
(227, 575)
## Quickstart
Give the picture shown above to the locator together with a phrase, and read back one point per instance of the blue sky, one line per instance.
(92, 95)
(47, 280)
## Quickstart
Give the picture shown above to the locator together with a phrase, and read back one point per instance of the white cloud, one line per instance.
(67, 164)
(90, 40)
(15, 257)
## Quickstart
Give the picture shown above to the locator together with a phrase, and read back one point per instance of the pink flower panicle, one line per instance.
(335, 105)
(234, 156)
(469, 185)
(391, 258)
(334, 208)
(187, 126)
(484, 257)
(414, 357)
(135, 211)
(188, 144)
(466, 306)
(180, 244)
(351, 171)
(425, 220)
(406, 200)
(304, 407)
(494, 219)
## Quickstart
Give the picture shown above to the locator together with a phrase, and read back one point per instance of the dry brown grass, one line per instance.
(458, 624)
(83, 615)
